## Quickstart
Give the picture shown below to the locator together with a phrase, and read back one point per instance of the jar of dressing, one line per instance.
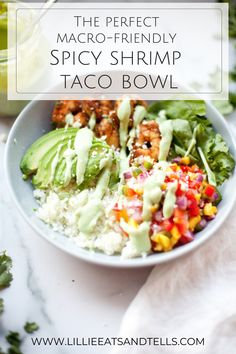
(29, 53)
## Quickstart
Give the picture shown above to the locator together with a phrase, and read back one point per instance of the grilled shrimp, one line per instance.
(107, 121)
(81, 111)
(147, 142)
(101, 108)
(62, 108)
(109, 127)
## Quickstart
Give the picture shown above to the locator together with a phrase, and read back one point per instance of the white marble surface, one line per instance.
(65, 296)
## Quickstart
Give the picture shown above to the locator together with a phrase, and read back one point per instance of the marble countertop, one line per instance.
(65, 296)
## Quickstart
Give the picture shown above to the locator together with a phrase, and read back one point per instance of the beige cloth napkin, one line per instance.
(194, 296)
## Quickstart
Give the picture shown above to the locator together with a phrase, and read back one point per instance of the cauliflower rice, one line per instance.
(60, 210)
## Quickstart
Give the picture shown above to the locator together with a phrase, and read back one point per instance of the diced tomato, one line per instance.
(128, 192)
(194, 211)
(179, 214)
(190, 195)
(174, 167)
(167, 224)
(121, 214)
(194, 184)
(116, 208)
(179, 191)
(185, 239)
(209, 191)
(185, 168)
(182, 227)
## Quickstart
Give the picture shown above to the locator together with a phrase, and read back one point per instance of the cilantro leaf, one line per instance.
(180, 109)
(13, 338)
(217, 153)
(31, 327)
(5, 274)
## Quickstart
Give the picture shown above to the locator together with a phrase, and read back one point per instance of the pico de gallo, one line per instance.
(194, 203)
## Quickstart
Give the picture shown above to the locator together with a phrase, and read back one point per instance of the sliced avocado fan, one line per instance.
(45, 160)
(30, 161)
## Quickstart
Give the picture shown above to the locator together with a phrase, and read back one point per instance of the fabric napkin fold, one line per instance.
(194, 296)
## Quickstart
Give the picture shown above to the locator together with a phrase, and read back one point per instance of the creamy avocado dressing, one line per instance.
(69, 119)
(170, 199)
(152, 193)
(193, 141)
(69, 154)
(93, 210)
(139, 114)
(105, 161)
(83, 143)
(139, 237)
(124, 112)
(166, 130)
(55, 162)
(92, 121)
(161, 116)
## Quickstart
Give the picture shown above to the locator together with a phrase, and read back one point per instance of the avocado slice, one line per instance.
(96, 153)
(30, 161)
(45, 159)
(48, 163)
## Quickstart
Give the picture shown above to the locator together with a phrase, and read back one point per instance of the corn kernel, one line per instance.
(209, 209)
(133, 223)
(139, 191)
(191, 176)
(158, 247)
(175, 232)
(173, 242)
(165, 242)
(153, 208)
(155, 237)
(164, 186)
(185, 160)
(193, 222)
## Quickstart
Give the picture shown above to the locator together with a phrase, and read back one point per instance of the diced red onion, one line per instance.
(137, 216)
(199, 178)
(157, 216)
(187, 237)
(155, 228)
(135, 203)
(176, 159)
(201, 204)
(215, 196)
(182, 202)
(202, 224)
(142, 177)
(209, 218)
(127, 175)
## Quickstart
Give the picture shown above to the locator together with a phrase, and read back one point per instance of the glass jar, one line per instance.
(29, 55)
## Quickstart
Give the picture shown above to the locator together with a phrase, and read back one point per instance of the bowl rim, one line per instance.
(117, 261)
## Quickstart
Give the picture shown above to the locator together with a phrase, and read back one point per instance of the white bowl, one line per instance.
(33, 122)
